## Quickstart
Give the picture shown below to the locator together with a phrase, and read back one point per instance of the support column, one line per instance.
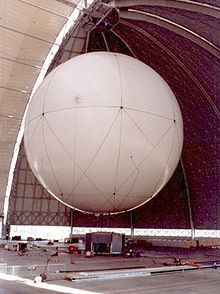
(71, 222)
(189, 204)
(131, 223)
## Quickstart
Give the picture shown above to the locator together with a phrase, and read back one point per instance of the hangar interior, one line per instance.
(178, 39)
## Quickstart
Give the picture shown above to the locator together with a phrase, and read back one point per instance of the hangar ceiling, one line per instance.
(180, 40)
(28, 30)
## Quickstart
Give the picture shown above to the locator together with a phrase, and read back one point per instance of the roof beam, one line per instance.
(27, 35)
(105, 41)
(15, 90)
(43, 9)
(132, 14)
(66, 2)
(11, 117)
(19, 62)
(179, 62)
(179, 4)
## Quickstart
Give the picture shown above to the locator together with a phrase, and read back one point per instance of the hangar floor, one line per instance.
(110, 274)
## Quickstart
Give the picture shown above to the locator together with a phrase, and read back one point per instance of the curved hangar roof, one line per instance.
(28, 30)
(180, 39)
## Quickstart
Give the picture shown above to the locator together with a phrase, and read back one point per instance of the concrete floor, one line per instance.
(21, 270)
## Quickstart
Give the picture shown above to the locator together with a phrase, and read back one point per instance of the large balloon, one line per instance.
(103, 133)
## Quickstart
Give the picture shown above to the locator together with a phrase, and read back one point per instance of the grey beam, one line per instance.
(66, 2)
(179, 62)
(105, 41)
(15, 90)
(27, 35)
(43, 9)
(179, 4)
(22, 63)
(188, 201)
(10, 117)
(133, 14)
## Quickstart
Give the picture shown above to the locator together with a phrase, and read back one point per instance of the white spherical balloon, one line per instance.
(103, 133)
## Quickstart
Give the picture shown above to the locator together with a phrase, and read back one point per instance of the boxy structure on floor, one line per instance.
(105, 243)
